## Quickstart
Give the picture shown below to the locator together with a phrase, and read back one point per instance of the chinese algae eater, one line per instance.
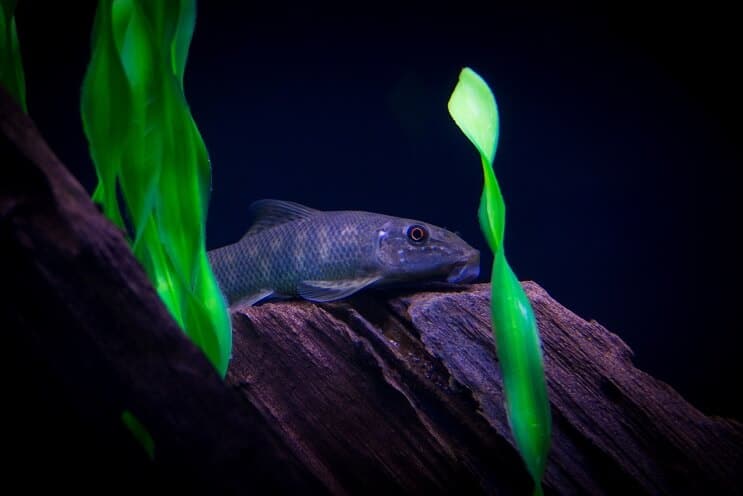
(296, 251)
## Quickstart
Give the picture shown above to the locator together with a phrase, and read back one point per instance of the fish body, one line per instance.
(292, 250)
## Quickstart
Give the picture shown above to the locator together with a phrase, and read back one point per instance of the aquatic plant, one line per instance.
(152, 164)
(140, 433)
(472, 106)
(11, 69)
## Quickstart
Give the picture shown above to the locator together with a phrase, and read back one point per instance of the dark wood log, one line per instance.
(407, 386)
(388, 391)
(88, 338)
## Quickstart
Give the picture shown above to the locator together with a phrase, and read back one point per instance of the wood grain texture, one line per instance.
(407, 386)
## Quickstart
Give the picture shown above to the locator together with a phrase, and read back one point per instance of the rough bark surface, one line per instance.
(403, 391)
(396, 392)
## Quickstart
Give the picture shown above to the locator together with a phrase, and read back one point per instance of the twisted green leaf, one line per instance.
(148, 152)
(11, 68)
(473, 108)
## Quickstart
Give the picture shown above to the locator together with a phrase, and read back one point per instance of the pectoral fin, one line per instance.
(322, 291)
(252, 298)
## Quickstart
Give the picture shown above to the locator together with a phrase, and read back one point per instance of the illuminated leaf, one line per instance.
(149, 153)
(473, 108)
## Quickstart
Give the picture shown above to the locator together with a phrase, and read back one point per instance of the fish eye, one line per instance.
(417, 233)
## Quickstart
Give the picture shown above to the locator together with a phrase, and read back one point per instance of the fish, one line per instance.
(292, 250)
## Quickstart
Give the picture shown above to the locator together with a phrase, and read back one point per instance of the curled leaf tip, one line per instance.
(473, 108)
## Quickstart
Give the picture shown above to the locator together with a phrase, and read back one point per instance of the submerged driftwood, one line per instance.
(404, 391)
(396, 392)
(87, 338)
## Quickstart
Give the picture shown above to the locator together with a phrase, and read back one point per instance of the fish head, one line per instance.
(411, 250)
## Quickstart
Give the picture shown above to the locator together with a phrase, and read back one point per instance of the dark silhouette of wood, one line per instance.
(89, 338)
(391, 392)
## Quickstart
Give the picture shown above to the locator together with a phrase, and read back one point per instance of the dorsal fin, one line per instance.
(269, 213)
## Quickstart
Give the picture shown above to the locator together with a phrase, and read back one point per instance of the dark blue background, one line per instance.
(619, 143)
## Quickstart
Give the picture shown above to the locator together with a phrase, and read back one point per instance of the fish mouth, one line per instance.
(466, 271)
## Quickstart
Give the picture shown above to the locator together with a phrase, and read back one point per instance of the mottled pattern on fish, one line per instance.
(293, 250)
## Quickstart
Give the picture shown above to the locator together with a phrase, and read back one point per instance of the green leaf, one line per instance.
(472, 106)
(148, 151)
(11, 67)
(140, 433)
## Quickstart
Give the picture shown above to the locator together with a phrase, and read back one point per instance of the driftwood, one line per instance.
(396, 392)
(89, 339)
(408, 388)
